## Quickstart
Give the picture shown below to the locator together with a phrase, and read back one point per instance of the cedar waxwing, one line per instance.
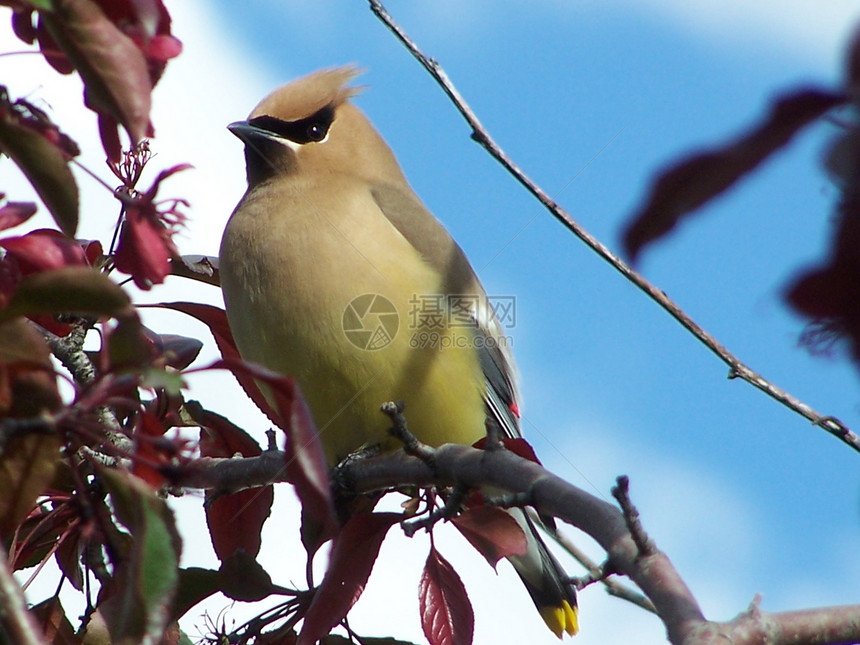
(333, 271)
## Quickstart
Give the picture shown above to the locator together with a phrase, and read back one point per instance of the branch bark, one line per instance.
(653, 572)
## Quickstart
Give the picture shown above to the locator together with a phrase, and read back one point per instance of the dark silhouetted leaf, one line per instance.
(352, 556)
(493, 532)
(304, 458)
(446, 613)
(831, 293)
(699, 178)
(242, 578)
(195, 584)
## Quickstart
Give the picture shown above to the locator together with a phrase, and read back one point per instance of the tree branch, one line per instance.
(653, 572)
(737, 369)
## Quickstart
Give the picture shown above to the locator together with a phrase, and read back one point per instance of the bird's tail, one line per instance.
(548, 585)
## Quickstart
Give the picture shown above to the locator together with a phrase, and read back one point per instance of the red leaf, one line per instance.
(516, 445)
(113, 68)
(689, 184)
(44, 249)
(216, 320)
(352, 557)
(235, 521)
(146, 241)
(305, 462)
(446, 613)
(493, 532)
(143, 250)
(14, 213)
(146, 451)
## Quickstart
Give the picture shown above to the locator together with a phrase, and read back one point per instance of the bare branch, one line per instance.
(737, 369)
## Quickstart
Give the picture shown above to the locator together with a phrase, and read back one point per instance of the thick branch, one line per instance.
(458, 465)
(737, 369)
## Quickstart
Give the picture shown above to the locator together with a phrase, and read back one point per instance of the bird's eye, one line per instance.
(316, 132)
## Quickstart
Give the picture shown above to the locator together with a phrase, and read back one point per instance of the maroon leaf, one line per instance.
(493, 532)
(306, 464)
(14, 213)
(179, 351)
(235, 521)
(44, 249)
(352, 556)
(68, 558)
(113, 68)
(146, 239)
(446, 613)
(305, 461)
(216, 319)
(51, 620)
(699, 178)
(143, 251)
(147, 455)
(516, 445)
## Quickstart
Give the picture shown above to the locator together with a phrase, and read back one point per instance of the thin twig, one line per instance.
(737, 369)
(621, 492)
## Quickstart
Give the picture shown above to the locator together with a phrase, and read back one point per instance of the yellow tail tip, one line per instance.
(561, 619)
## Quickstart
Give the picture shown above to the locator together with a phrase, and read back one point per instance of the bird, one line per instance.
(333, 271)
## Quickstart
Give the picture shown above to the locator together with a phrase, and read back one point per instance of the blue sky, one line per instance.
(745, 496)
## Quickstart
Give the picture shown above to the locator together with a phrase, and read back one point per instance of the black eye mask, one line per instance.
(308, 130)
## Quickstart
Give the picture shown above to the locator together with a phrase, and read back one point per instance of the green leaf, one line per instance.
(147, 578)
(79, 290)
(47, 169)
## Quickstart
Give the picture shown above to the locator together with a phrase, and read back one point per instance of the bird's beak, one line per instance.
(245, 131)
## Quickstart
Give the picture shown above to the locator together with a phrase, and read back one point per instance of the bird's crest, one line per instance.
(309, 94)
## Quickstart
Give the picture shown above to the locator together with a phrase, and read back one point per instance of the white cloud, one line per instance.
(798, 29)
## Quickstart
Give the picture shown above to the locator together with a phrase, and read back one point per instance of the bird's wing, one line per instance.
(427, 235)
